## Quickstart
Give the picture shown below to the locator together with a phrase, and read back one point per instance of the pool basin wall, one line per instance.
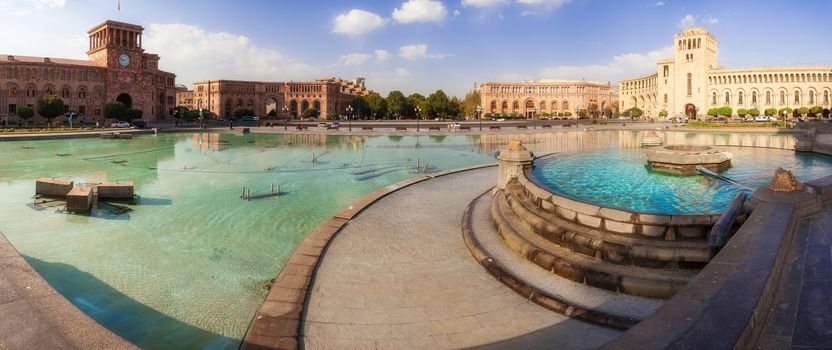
(623, 222)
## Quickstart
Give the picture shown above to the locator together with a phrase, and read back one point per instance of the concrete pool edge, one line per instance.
(277, 323)
(40, 317)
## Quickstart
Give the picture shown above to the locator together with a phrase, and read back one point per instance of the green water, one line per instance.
(189, 266)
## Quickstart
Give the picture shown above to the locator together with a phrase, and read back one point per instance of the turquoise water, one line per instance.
(619, 178)
(189, 266)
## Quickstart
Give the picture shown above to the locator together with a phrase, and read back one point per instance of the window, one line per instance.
(665, 98)
(30, 91)
(690, 84)
(713, 99)
(782, 98)
(65, 93)
(796, 97)
(666, 71)
(13, 92)
(768, 98)
(727, 98)
(754, 98)
(811, 98)
(12, 109)
(82, 93)
(825, 98)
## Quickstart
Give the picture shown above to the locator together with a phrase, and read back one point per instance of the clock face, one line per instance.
(124, 60)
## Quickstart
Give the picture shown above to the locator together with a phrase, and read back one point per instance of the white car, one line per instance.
(501, 119)
(764, 118)
(120, 124)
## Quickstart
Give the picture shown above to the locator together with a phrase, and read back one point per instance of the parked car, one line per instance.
(139, 124)
(120, 124)
(335, 125)
(765, 118)
(501, 119)
(247, 119)
(321, 125)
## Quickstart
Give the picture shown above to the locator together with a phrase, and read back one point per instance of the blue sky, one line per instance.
(424, 45)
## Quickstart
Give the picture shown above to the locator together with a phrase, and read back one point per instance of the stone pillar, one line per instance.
(514, 161)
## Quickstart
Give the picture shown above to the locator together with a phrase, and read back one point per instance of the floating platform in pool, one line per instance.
(80, 200)
(52, 187)
(684, 159)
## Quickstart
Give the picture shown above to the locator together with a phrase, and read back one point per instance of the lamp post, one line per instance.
(418, 110)
(285, 110)
(479, 115)
(349, 116)
(534, 121)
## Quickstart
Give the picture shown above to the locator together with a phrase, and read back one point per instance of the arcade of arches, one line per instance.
(546, 96)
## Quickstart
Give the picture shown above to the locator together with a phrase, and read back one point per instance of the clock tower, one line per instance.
(132, 76)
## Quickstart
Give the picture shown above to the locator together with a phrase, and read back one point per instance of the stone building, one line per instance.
(118, 69)
(546, 96)
(329, 96)
(692, 82)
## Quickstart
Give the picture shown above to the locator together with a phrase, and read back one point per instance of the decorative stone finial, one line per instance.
(784, 181)
(516, 145)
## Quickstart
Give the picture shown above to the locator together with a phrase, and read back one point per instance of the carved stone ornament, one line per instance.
(516, 145)
(784, 181)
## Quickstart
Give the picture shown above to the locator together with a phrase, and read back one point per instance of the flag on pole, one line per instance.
(119, 9)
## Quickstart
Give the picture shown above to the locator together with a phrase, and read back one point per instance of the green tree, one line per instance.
(360, 107)
(816, 110)
(438, 103)
(240, 112)
(417, 100)
(725, 111)
(470, 103)
(742, 112)
(454, 107)
(634, 112)
(397, 104)
(51, 106)
(803, 111)
(663, 114)
(133, 114)
(378, 106)
(310, 113)
(114, 110)
(784, 112)
(770, 111)
(753, 112)
(25, 113)
(191, 116)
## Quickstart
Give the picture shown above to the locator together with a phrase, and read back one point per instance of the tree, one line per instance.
(132, 114)
(51, 106)
(360, 107)
(593, 110)
(25, 113)
(240, 112)
(825, 113)
(191, 116)
(417, 100)
(378, 106)
(753, 112)
(725, 111)
(470, 103)
(803, 111)
(784, 112)
(437, 104)
(663, 114)
(310, 113)
(634, 112)
(114, 110)
(742, 112)
(397, 104)
(770, 111)
(454, 107)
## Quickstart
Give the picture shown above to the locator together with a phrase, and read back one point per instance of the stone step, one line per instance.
(599, 306)
(614, 248)
(578, 267)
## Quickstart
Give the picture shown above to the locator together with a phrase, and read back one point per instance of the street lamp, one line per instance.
(534, 121)
(285, 110)
(349, 116)
(418, 110)
(479, 115)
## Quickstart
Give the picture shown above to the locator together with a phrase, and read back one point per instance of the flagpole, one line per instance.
(119, 10)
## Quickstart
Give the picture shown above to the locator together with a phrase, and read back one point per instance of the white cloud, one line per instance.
(354, 59)
(484, 3)
(457, 13)
(621, 67)
(660, 4)
(693, 21)
(402, 72)
(43, 4)
(382, 55)
(548, 4)
(687, 22)
(357, 22)
(416, 52)
(420, 11)
(195, 54)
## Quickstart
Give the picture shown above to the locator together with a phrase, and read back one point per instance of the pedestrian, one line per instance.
(96, 124)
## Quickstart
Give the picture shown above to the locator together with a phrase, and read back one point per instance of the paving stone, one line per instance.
(814, 316)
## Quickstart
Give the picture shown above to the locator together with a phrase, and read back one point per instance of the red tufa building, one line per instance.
(118, 69)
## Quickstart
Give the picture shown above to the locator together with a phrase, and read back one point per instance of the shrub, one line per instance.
(567, 114)
(816, 110)
(114, 110)
(132, 114)
(770, 111)
(50, 106)
(243, 112)
(726, 111)
(25, 113)
(786, 111)
(663, 114)
(753, 112)
(634, 112)
(742, 112)
(311, 113)
(712, 112)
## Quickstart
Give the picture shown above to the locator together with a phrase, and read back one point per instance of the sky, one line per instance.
(424, 45)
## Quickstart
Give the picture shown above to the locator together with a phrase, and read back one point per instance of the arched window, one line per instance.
(825, 98)
(65, 93)
(796, 97)
(768, 98)
(811, 98)
(782, 98)
(739, 98)
(713, 98)
(30, 91)
(690, 84)
(754, 98)
(82, 93)
(13, 92)
(727, 98)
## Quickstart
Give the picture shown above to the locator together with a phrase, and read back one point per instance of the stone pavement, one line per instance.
(400, 276)
(802, 314)
(35, 316)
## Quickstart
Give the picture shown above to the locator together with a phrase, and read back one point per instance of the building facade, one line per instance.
(546, 96)
(118, 69)
(692, 82)
(329, 96)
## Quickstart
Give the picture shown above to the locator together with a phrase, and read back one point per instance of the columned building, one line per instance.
(546, 96)
(118, 69)
(329, 96)
(692, 82)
